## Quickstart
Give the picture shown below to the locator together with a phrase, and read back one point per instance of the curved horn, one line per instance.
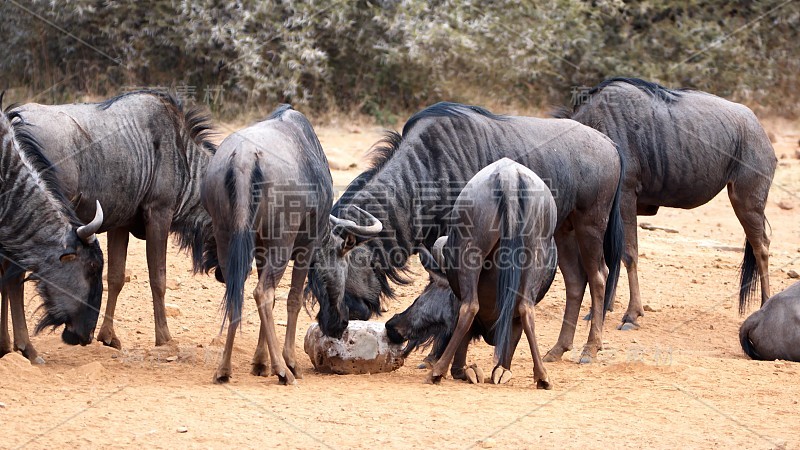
(87, 232)
(437, 251)
(364, 230)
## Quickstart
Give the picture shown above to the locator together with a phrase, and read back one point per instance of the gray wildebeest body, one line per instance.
(773, 332)
(681, 148)
(500, 259)
(269, 192)
(39, 233)
(416, 178)
(141, 155)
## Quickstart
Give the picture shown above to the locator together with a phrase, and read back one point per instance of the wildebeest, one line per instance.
(414, 181)
(773, 332)
(681, 147)
(269, 192)
(141, 155)
(40, 234)
(500, 258)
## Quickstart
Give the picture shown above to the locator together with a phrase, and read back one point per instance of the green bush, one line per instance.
(386, 57)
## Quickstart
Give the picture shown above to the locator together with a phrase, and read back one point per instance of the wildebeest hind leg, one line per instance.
(116, 257)
(5, 338)
(748, 204)
(157, 230)
(294, 303)
(631, 260)
(575, 282)
(468, 281)
(590, 241)
(223, 373)
(501, 374)
(265, 299)
(526, 310)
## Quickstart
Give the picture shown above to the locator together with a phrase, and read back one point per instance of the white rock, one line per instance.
(363, 348)
(172, 309)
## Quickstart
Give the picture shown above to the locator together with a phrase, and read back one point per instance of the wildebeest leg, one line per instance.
(5, 338)
(526, 310)
(294, 303)
(748, 204)
(157, 230)
(569, 261)
(590, 242)
(468, 281)
(457, 369)
(16, 296)
(265, 299)
(631, 260)
(117, 255)
(501, 374)
(223, 373)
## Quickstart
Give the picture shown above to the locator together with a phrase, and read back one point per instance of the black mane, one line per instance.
(46, 170)
(195, 120)
(448, 109)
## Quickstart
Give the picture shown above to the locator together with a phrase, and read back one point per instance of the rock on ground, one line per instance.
(363, 348)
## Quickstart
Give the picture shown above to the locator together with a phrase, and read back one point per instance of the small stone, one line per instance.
(793, 274)
(172, 310)
(487, 443)
(182, 429)
(172, 358)
(2, 405)
(127, 275)
(173, 285)
(649, 308)
(184, 328)
(711, 327)
(785, 204)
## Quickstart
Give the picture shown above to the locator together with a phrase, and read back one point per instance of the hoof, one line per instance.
(222, 377)
(587, 317)
(627, 326)
(38, 360)
(297, 372)
(501, 375)
(553, 356)
(259, 370)
(544, 384)
(458, 373)
(433, 379)
(475, 374)
(110, 341)
(285, 377)
(423, 366)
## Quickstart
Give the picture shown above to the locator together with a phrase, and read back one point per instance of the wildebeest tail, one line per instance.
(241, 247)
(614, 241)
(744, 338)
(510, 205)
(748, 279)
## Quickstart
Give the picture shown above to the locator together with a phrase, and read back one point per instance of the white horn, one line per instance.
(87, 232)
(437, 251)
(372, 229)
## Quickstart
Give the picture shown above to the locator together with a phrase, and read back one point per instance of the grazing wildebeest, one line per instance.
(681, 147)
(502, 238)
(773, 332)
(414, 182)
(269, 192)
(40, 234)
(141, 155)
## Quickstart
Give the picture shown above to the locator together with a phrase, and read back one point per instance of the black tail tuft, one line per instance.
(509, 256)
(614, 242)
(748, 278)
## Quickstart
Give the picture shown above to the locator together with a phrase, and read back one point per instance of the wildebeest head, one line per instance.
(432, 317)
(71, 284)
(331, 267)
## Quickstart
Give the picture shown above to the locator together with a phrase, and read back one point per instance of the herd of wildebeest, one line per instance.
(492, 204)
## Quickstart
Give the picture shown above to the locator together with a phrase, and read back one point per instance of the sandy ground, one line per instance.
(679, 380)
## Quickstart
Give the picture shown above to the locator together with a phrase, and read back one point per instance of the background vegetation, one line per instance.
(386, 57)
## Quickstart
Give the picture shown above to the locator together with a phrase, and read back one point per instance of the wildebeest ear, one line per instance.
(429, 263)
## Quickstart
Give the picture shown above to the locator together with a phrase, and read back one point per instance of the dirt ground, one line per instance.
(681, 379)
